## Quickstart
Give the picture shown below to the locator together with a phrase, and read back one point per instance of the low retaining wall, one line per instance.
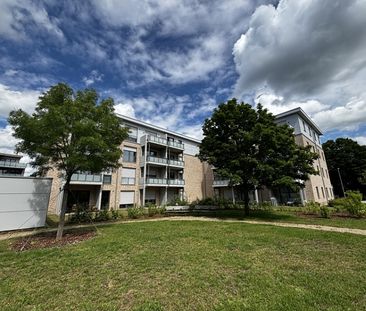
(23, 202)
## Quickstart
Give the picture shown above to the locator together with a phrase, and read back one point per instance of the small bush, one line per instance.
(325, 212)
(178, 202)
(81, 215)
(102, 215)
(115, 214)
(263, 206)
(312, 207)
(353, 204)
(152, 210)
(135, 212)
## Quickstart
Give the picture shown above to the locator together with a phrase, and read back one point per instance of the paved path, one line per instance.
(14, 234)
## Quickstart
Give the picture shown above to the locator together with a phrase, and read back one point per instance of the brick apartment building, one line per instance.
(159, 166)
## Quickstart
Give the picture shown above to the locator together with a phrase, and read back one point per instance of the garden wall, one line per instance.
(23, 202)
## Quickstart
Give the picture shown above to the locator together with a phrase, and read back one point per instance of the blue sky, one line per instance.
(171, 62)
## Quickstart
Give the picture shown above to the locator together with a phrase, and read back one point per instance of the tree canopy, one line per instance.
(70, 132)
(349, 157)
(246, 146)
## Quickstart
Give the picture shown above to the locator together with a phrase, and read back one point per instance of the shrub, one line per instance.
(135, 212)
(152, 210)
(312, 207)
(206, 201)
(263, 206)
(81, 215)
(102, 215)
(115, 214)
(352, 203)
(325, 211)
(178, 202)
(337, 204)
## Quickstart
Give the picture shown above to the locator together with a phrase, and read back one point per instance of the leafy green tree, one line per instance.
(247, 147)
(349, 157)
(70, 132)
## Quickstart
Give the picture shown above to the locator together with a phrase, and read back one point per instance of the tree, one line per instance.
(247, 147)
(350, 158)
(70, 132)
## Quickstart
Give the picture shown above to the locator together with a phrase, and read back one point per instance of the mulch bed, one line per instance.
(48, 239)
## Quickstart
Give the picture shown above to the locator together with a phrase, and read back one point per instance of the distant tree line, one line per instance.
(346, 161)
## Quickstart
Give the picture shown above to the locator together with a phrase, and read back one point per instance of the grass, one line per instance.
(285, 216)
(190, 266)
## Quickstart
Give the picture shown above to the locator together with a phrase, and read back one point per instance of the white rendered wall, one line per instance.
(23, 202)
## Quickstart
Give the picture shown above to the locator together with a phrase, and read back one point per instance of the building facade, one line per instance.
(160, 166)
(10, 165)
(157, 166)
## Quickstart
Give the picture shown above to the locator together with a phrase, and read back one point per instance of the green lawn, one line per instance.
(285, 216)
(190, 266)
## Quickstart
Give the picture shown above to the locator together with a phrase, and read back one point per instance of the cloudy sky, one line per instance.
(170, 62)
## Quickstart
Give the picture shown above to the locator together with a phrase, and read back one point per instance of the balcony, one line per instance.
(176, 182)
(154, 181)
(162, 141)
(156, 140)
(176, 163)
(163, 182)
(155, 160)
(11, 164)
(220, 182)
(175, 145)
(90, 179)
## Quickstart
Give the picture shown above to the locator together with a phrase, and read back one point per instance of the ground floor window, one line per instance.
(126, 199)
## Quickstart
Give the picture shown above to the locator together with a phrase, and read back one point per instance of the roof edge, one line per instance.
(303, 114)
(149, 125)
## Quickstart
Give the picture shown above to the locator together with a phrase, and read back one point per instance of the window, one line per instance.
(132, 134)
(317, 192)
(304, 125)
(129, 155)
(128, 176)
(323, 192)
(126, 199)
(323, 172)
(107, 179)
(326, 190)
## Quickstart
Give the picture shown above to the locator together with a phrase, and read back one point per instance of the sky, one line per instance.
(171, 62)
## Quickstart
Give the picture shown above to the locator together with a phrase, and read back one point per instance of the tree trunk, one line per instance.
(61, 223)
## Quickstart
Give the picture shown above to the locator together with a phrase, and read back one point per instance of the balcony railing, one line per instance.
(163, 141)
(156, 139)
(12, 164)
(157, 160)
(163, 181)
(221, 182)
(176, 163)
(87, 178)
(175, 144)
(176, 182)
(128, 181)
(156, 181)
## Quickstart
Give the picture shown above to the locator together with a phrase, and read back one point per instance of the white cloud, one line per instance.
(310, 54)
(360, 139)
(125, 109)
(93, 77)
(12, 99)
(347, 117)
(19, 18)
